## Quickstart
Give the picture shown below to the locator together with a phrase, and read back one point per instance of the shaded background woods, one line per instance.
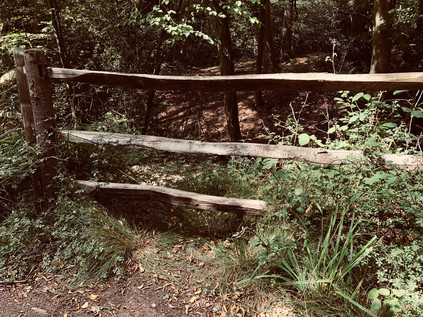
(166, 37)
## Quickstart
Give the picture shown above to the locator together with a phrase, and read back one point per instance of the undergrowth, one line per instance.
(343, 240)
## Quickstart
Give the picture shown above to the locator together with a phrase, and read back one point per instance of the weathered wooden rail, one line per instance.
(34, 89)
(283, 152)
(285, 81)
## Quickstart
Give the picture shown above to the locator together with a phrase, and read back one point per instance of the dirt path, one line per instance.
(134, 295)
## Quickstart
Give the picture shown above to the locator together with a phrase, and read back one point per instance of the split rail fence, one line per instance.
(35, 96)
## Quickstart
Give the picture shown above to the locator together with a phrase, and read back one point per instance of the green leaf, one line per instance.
(345, 93)
(397, 92)
(371, 142)
(406, 109)
(387, 125)
(370, 181)
(373, 294)
(354, 119)
(376, 304)
(391, 302)
(398, 292)
(417, 113)
(332, 130)
(269, 163)
(357, 96)
(303, 139)
(367, 97)
(384, 292)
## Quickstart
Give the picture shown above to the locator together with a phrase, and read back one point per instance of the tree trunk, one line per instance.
(269, 38)
(260, 52)
(158, 54)
(382, 40)
(156, 71)
(227, 67)
(267, 58)
(419, 37)
(55, 19)
(288, 18)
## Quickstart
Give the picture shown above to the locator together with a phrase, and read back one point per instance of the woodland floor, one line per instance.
(141, 292)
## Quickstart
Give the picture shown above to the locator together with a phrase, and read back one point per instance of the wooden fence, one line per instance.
(34, 83)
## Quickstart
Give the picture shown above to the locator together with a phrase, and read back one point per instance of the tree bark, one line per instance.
(288, 18)
(269, 38)
(55, 19)
(158, 59)
(156, 71)
(45, 123)
(381, 40)
(227, 67)
(267, 58)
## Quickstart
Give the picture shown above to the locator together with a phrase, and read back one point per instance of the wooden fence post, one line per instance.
(27, 115)
(44, 122)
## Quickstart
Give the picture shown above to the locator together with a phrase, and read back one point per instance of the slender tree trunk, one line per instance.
(55, 19)
(63, 54)
(419, 36)
(288, 18)
(156, 71)
(381, 40)
(227, 67)
(269, 38)
(158, 54)
(267, 57)
(260, 51)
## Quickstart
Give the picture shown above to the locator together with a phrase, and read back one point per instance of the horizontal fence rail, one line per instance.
(239, 206)
(285, 152)
(285, 81)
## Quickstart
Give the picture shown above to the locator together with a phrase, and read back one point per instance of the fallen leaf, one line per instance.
(85, 305)
(39, 311)
(95, 309)
(154, 305)
(193, 299)
(94, 297)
